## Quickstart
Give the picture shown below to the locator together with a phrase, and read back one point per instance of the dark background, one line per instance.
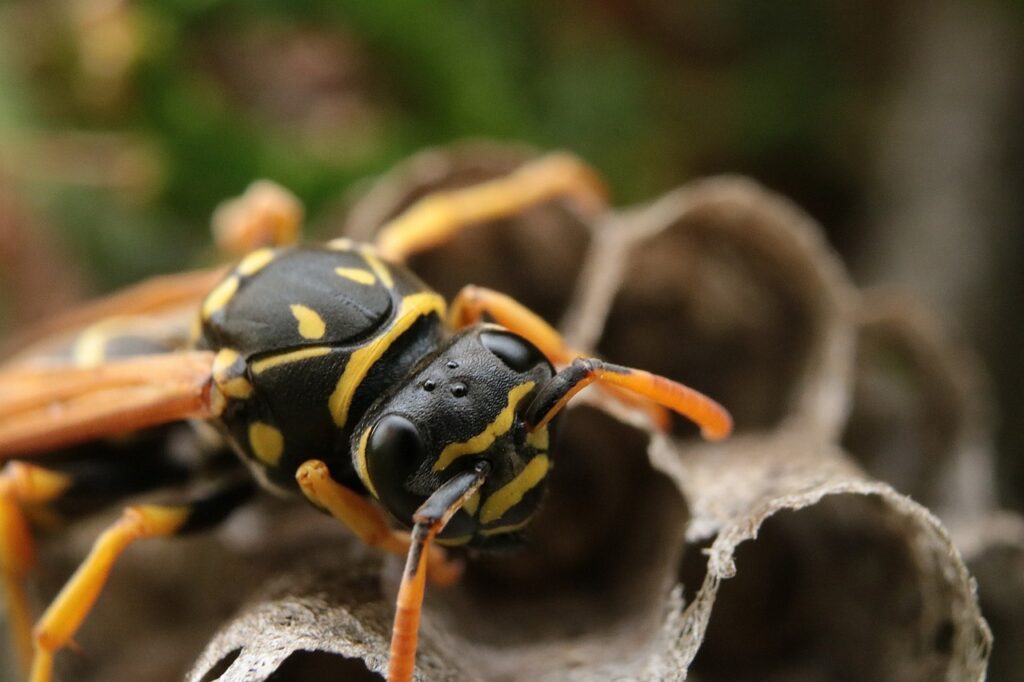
(896, 124)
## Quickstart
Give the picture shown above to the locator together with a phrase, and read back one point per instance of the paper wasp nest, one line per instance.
(789, 552)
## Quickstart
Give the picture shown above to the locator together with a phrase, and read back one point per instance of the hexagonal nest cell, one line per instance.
(772, 555)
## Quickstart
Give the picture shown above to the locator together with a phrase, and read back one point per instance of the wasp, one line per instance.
(334, 373)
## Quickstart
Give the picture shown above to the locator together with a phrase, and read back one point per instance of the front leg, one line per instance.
(367, 521)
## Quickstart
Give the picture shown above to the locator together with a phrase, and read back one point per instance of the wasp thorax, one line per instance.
(462, 405)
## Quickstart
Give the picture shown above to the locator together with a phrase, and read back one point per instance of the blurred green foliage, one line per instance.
(315, 94)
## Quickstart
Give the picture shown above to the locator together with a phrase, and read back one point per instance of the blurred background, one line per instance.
(896, 124)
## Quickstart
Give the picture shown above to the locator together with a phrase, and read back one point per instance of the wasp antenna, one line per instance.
(430, 519)
(713, 419)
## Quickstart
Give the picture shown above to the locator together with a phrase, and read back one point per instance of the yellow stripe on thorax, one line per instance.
(483, 440)
(357, 275)
(359, 363)
(263, 365)
(219, 297)
(311, 325)
(378, 267)
(512, 493)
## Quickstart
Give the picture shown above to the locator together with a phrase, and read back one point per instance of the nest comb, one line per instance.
(783, 553)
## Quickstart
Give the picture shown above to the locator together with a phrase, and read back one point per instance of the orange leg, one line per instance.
(367, 521)
(437, 218)
(65, 615)
(69, 609)
(472, 303)
(266, 214)
(713, 419)
(430, 519)
(22, 484)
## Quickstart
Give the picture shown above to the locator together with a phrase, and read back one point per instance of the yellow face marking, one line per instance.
(381, 270)
(267, 443)
(263, 365)
(539, 439)
(311, 325)
(219, 297)
(231, 383)
(472, 504)
(361, 468)
(483, 440)
(454, 542)
(357, 275)
(510, 528)
(255, 262)
(512, 493)
(412, 308)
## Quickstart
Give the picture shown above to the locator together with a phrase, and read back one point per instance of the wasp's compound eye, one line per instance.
(516, 352)
(394, 451)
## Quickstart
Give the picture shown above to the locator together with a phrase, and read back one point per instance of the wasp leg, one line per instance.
(68, 610)
(22, 484)
(438, 217)
(366, 521)
(44, 409)
(472, 303)
(430, 519)
(266, 214)
(713, 419)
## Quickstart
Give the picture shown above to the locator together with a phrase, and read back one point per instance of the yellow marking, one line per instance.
(357, 275)
(472, 504)
(263, 365)
(510, 528)
(231, 384)
(341, 244)
(539, 439)
(219, 297)
(361, 467)
(91, 347)
(483, 440)
(412, 308)
(454, 542)
(512, 492)
(255, 262)
(267, 443)
(311, 325)
(381, 270)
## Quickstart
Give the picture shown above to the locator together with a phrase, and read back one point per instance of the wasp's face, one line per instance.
(464, 405)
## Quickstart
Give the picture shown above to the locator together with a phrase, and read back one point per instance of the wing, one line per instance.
(46, 408)
(166, 295)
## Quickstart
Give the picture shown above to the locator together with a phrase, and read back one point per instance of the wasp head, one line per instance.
(462, 405)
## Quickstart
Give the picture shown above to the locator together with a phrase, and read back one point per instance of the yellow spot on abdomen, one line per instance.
(255, 262)
(512, 493)
(219, 297)
(311, 325)
(267, 443)
(483, 440)
(357, 275)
